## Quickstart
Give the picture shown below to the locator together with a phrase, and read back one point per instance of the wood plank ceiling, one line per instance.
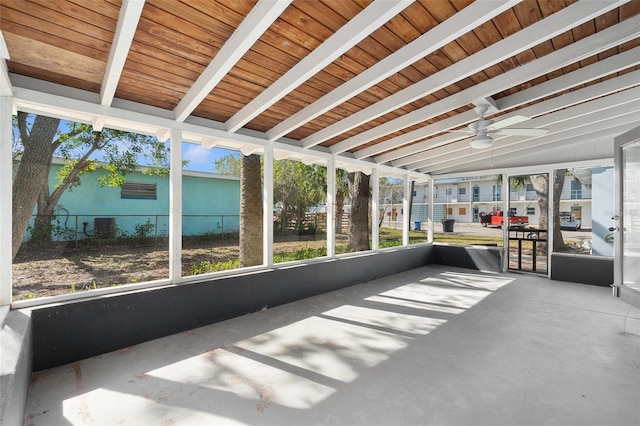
(381, 81)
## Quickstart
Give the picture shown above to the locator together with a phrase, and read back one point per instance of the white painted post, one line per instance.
(331, 207)
(6, 177)
(550, 224)
(505, 223)
(406, 217)
(175, 207)
(430, 211)
(375, 209)
(267, 208)
(470, 207)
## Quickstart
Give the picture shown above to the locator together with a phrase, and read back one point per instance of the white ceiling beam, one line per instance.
(594, 145)
(548, 88)
(261, 17)
(163, 134)
(574, 149)
(52, 104)
(130, 13)
(5, 81)
(529, 37)
(489, 170)
(574, 120)
(575, 78)
(462, 22)
(577, 51)
(603, 68)
(605, 88)
(363, 24)
(613, 119)
(415, 135)
(97, 123)
(584, 48)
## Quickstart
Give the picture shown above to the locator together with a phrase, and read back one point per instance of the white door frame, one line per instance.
(619, 142)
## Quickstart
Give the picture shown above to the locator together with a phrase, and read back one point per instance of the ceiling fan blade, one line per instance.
(510, 121)
(521, 132)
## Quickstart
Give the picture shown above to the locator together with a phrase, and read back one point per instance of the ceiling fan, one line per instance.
(483, 129)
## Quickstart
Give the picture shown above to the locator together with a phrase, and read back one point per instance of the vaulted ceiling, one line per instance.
(383, 82)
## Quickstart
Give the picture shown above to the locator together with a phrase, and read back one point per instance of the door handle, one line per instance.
(614, 228)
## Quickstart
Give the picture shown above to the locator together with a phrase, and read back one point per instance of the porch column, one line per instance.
(175, 207)
(430, 211)
(267, 208)
(505, 225)
(6, 177)
(375, 209)
(406, 219)
(331, 206)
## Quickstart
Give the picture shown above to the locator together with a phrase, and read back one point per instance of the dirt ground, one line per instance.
(61, 269)
(39, 272)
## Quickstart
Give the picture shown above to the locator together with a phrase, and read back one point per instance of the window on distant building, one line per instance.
(476, 193)
(449, 191)
(462, 211)
(146, 191)
(462, 191)
(497, 193)
(576, 189)
(531, 211)
(449, 211)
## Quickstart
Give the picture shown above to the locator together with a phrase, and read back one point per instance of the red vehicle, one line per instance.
(496, 218)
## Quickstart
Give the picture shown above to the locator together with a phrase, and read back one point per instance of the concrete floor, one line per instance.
(434, 345)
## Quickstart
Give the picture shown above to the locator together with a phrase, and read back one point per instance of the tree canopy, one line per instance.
(82, 150)
(297, 187)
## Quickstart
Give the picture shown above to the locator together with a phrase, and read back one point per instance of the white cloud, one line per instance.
(197, 156)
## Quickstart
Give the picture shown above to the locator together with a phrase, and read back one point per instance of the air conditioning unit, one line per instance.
(104, 227)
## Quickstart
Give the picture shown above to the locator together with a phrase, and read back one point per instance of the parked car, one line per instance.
(569, 220)
(495, 218)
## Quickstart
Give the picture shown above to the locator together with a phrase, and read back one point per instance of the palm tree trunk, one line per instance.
(339, 211)
(358, 238)
(250, 211)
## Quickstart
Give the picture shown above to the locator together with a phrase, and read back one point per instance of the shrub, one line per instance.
(308, 253)
(143, 230)
(207, 266)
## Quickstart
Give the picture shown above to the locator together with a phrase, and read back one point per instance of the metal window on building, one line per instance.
(146, 191)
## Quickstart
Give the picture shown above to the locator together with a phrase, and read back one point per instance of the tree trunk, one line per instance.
(358, 238)
(413, 187)
(558, 184)
(44, 213)
(381, 216)
(339, 211)
(250, 211)
(541, 186)
(32, 173)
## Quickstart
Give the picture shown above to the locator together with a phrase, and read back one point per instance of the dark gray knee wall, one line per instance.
(73, 331)
(584, 269)
(76, 330)
(483, 258)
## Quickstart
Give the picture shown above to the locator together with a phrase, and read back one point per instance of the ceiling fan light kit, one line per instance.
(481, 141)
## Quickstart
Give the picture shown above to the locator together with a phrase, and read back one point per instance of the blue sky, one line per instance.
(201, 159)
